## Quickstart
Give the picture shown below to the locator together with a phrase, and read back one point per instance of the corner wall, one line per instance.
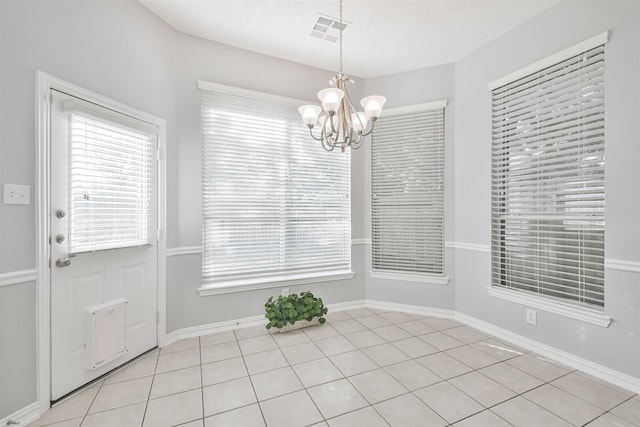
(618, 346)
(409, 88)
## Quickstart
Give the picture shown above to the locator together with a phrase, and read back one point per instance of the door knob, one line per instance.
(63, 262)
(60, 213)
(60, 238)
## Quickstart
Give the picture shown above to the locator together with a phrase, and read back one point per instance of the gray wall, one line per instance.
(416, 87)
(114, 48)
(235, 67)
(618, 346)
(121, 50)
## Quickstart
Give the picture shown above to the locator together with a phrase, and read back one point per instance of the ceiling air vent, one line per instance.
(327, 28)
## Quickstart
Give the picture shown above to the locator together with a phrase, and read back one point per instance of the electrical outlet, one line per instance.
(532, 317)
(285, 292)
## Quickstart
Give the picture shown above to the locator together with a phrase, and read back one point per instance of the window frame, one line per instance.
(438, 278)
(240, 283)
(564, 307)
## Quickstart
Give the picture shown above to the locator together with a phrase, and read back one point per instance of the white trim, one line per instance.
(245, 322)
(610, 375)
(17, 277)
(409, 277)
(349, 305)
(161, 248)
(540, 302)
(253, 94)
(415, 108)
(552, 59)
(44, 84)
(414, 309)
(618, 264)
(196, 250)
(611, 264)
(468, 246)
(23, 416)
(360, 241)
(186, 250)
(212, 328)
(272, 282)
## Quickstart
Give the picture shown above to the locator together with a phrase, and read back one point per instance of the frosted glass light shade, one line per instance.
(359, 121)
(373, 105)
(330, 98)
(310, 114)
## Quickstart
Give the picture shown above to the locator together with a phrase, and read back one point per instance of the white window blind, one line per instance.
(110, 185)
(548, 200)
(275, 204)
(407, 192)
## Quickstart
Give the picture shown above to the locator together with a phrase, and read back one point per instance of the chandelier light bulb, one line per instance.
(373, 105)
(310, 114)
(330, 98)
(359, 121)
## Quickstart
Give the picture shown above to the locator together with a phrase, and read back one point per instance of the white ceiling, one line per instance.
(383, 36)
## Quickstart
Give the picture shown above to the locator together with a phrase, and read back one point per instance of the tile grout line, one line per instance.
(146, 405)
(244, 362)
(325, 356)
(201, 377)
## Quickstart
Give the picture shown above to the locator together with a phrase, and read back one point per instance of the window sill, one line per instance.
(583, 314)
(407, 277)
(244, 285)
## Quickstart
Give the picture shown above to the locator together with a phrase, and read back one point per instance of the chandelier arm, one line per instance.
(328, 144)
(358, 144)
(331, 127)
(372, 121)
(313, 136)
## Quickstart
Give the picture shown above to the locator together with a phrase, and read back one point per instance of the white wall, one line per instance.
(618, 346)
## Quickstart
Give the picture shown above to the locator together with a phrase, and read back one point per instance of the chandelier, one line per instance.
(341, 125)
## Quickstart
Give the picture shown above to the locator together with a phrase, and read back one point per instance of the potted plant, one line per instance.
(301, 310)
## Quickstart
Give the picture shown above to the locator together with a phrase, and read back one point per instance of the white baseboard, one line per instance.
(599, 371)
(23, 416)
(414, 309)
(246, 322)
(342, 306)
(610, 375)
(212, 328)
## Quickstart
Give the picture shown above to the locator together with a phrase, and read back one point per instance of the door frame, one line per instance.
(44, 84)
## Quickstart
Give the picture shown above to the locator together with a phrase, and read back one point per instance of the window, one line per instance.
(548, 163)
(276, 206)
(110, 174)
(407, 191)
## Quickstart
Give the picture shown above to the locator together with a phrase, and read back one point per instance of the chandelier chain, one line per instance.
(341, 26)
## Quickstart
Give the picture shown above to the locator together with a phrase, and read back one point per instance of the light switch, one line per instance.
(17, 194)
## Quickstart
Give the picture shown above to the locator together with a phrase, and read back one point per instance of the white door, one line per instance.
(103, 222)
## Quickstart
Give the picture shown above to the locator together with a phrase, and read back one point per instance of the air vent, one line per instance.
(327, 28)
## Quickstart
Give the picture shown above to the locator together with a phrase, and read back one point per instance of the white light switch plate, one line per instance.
(17, 194)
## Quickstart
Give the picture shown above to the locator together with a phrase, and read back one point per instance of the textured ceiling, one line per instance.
(383, 36)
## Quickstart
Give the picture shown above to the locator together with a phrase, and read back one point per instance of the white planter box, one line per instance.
(298, 325)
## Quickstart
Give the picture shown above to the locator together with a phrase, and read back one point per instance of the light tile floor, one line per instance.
(363, 367)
